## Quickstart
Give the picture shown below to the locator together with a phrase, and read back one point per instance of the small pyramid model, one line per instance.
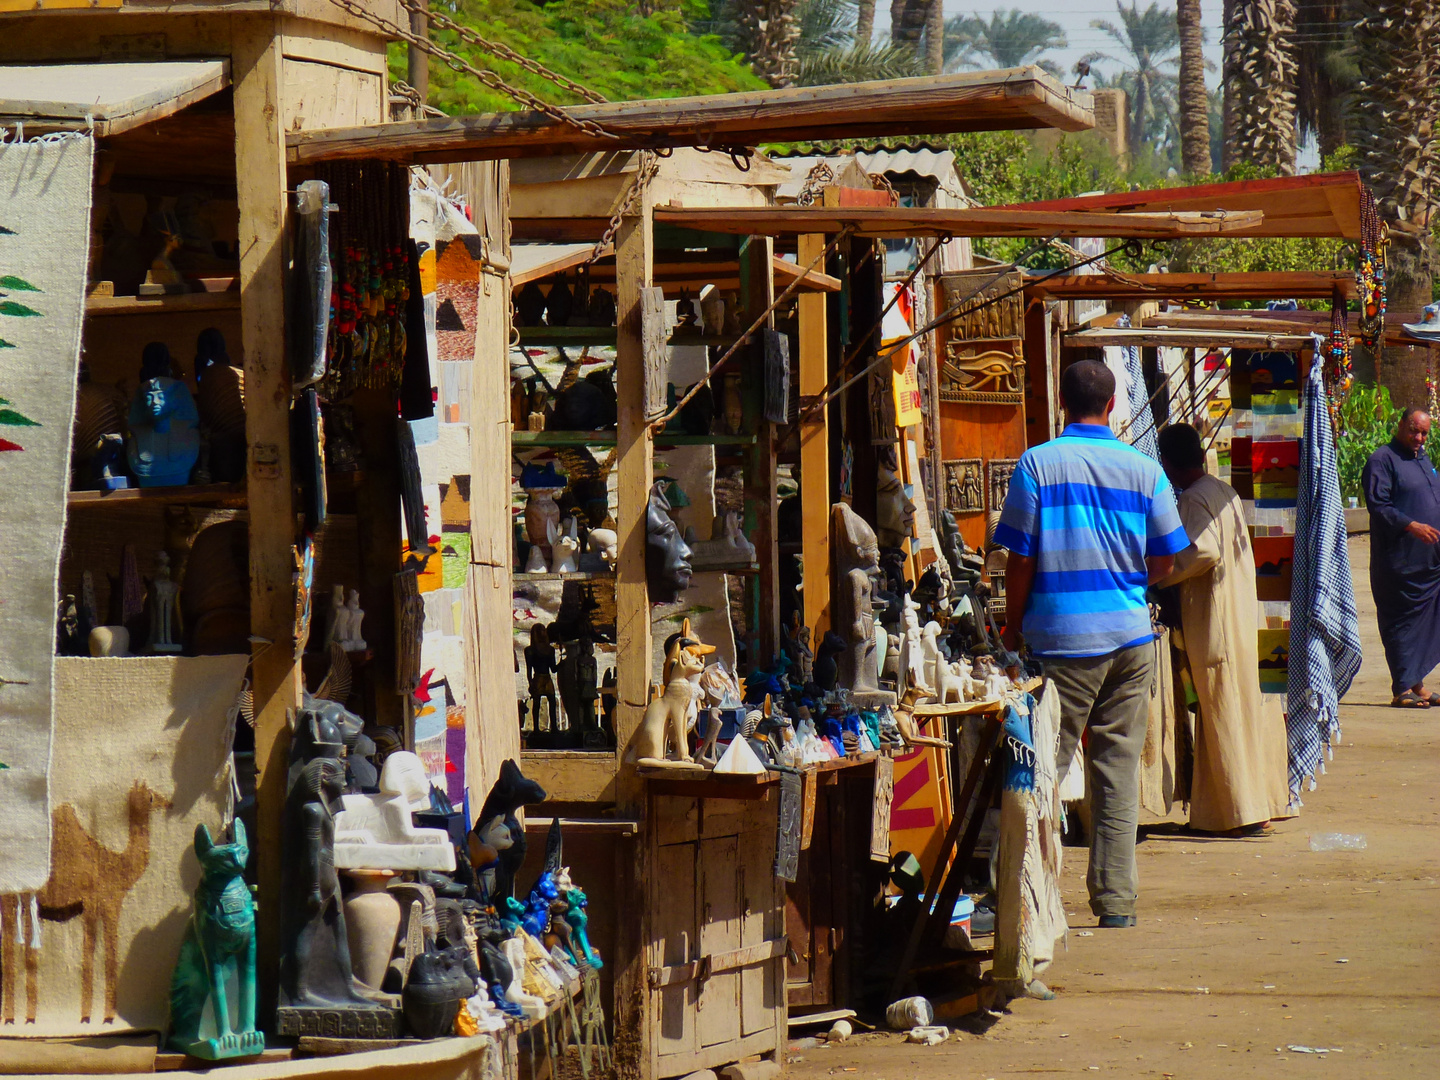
(739, 759)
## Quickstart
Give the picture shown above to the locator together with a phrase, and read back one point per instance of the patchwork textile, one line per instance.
(44, 238)
(1142, 417)
(1324, 623)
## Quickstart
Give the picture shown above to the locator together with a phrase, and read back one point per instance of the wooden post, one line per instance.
(256, 68)
(417, 68)
(761, 495)
(634, 268)
(814, 452)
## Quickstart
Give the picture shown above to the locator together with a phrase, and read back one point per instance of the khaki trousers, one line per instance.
(1108, 695)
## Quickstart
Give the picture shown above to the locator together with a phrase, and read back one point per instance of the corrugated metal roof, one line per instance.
(937, 165)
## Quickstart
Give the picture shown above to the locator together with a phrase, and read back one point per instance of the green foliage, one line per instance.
(829, 54)
(1367, 420)
(606, 45)
(1010, 39)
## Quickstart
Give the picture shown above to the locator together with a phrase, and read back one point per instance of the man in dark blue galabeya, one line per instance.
(1090, 522)
(1402, 492)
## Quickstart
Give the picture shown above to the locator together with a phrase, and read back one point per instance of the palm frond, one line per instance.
(858, 63)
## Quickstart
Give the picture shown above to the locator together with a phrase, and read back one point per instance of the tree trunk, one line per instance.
(1229, 83)
(1194, 108)
(1263, 35)
(770, 32)
(1396, 116)
(864, 22)
(935, 37)
(907, 22)
(1139, 107)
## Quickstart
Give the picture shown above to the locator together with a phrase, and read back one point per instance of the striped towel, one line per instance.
(1324, 623)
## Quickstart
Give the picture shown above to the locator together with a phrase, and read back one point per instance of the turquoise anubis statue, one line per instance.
(219, 946)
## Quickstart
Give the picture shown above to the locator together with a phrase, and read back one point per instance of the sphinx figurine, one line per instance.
(858, 558)
(318, 990)
(667, 556)
(164, 424)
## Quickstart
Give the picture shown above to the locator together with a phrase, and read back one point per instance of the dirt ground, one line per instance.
(1244, 948)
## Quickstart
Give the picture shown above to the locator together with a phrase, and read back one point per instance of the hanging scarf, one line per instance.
(1324, 622)
(1142, 418)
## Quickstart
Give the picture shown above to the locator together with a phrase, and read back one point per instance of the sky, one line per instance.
(1075, 18)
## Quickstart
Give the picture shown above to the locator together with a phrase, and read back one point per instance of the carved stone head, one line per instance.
(893, 508)
(854, 540)
(667, 556)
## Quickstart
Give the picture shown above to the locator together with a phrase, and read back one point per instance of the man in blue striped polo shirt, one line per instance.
(1090, 521)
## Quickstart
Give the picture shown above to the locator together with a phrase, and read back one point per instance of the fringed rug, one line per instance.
(44, 237)
(141, 758)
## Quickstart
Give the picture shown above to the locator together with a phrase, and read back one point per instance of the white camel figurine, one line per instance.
(945, 683)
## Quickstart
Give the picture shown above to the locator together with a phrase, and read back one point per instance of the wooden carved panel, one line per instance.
(654, 339)
(788, 827)
(964, 486)
(983, 374)
(884, 798)
(1001, 469)
(983, 316)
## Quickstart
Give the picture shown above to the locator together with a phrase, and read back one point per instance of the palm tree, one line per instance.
(907, 23)
(1328, 70)
(768, 36)
(1194, 105)
(1010, 39)
(1150, 39)
(1261, 33)
(864, 21)
(1396, 112)
(830, 50)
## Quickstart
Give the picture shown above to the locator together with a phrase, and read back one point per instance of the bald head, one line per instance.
(1413, 431)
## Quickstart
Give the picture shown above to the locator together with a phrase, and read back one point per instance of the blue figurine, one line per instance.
(164, 439)
(579, 920)
(536, 919)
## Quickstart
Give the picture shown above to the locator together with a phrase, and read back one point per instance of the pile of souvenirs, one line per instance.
(428, 939)
(893, 647)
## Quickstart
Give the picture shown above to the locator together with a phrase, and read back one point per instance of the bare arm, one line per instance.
(1019, 579)
(1159, 566)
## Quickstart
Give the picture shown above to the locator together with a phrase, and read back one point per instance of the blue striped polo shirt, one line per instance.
(1090, 509)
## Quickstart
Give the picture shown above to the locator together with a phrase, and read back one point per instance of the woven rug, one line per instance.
(141, 757)
(44, 236)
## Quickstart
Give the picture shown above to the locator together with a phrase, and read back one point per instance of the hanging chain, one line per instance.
(504, 52)
(649, 166)
(488, 78)
(820, 174)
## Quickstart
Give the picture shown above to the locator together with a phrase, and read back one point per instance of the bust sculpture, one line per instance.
(667, 556)
(164, 439)
(858, 557)
(894, 510)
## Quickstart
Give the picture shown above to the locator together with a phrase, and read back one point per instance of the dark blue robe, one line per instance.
(1401, 487)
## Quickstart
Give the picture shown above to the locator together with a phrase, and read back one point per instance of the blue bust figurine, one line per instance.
(164, 438)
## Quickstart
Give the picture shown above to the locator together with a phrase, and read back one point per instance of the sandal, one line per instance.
(1411, 700)
(1434, 698)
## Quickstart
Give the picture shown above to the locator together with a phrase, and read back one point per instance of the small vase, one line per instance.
(372, 919)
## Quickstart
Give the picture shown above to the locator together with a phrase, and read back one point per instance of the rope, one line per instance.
(659, 425)
(489, 78)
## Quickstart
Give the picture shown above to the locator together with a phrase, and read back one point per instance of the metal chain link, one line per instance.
(504, 52)
(819, 175)
(649, 166)
(489, 78)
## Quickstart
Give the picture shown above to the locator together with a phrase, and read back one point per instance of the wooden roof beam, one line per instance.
(1014, 98)
(901, 221)
(1282, 285)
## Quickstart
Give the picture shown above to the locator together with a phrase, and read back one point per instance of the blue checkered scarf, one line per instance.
(1324, 623)
(1142, 418)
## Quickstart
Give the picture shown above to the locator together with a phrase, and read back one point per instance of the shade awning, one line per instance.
(1268, 285)
(689, 270)
(105, 98)
(903, 221)
(1014, 98)
(1319, 205)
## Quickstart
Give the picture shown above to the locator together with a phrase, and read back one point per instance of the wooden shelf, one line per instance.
(578, 575)
(540, 439)
(727, 568)
(161, 305)
(539, 336)
(195, 494)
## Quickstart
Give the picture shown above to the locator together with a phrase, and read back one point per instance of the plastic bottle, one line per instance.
(909, 1013)
(1336, 841)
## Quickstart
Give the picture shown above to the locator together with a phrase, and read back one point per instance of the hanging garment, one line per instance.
(1324, 624)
